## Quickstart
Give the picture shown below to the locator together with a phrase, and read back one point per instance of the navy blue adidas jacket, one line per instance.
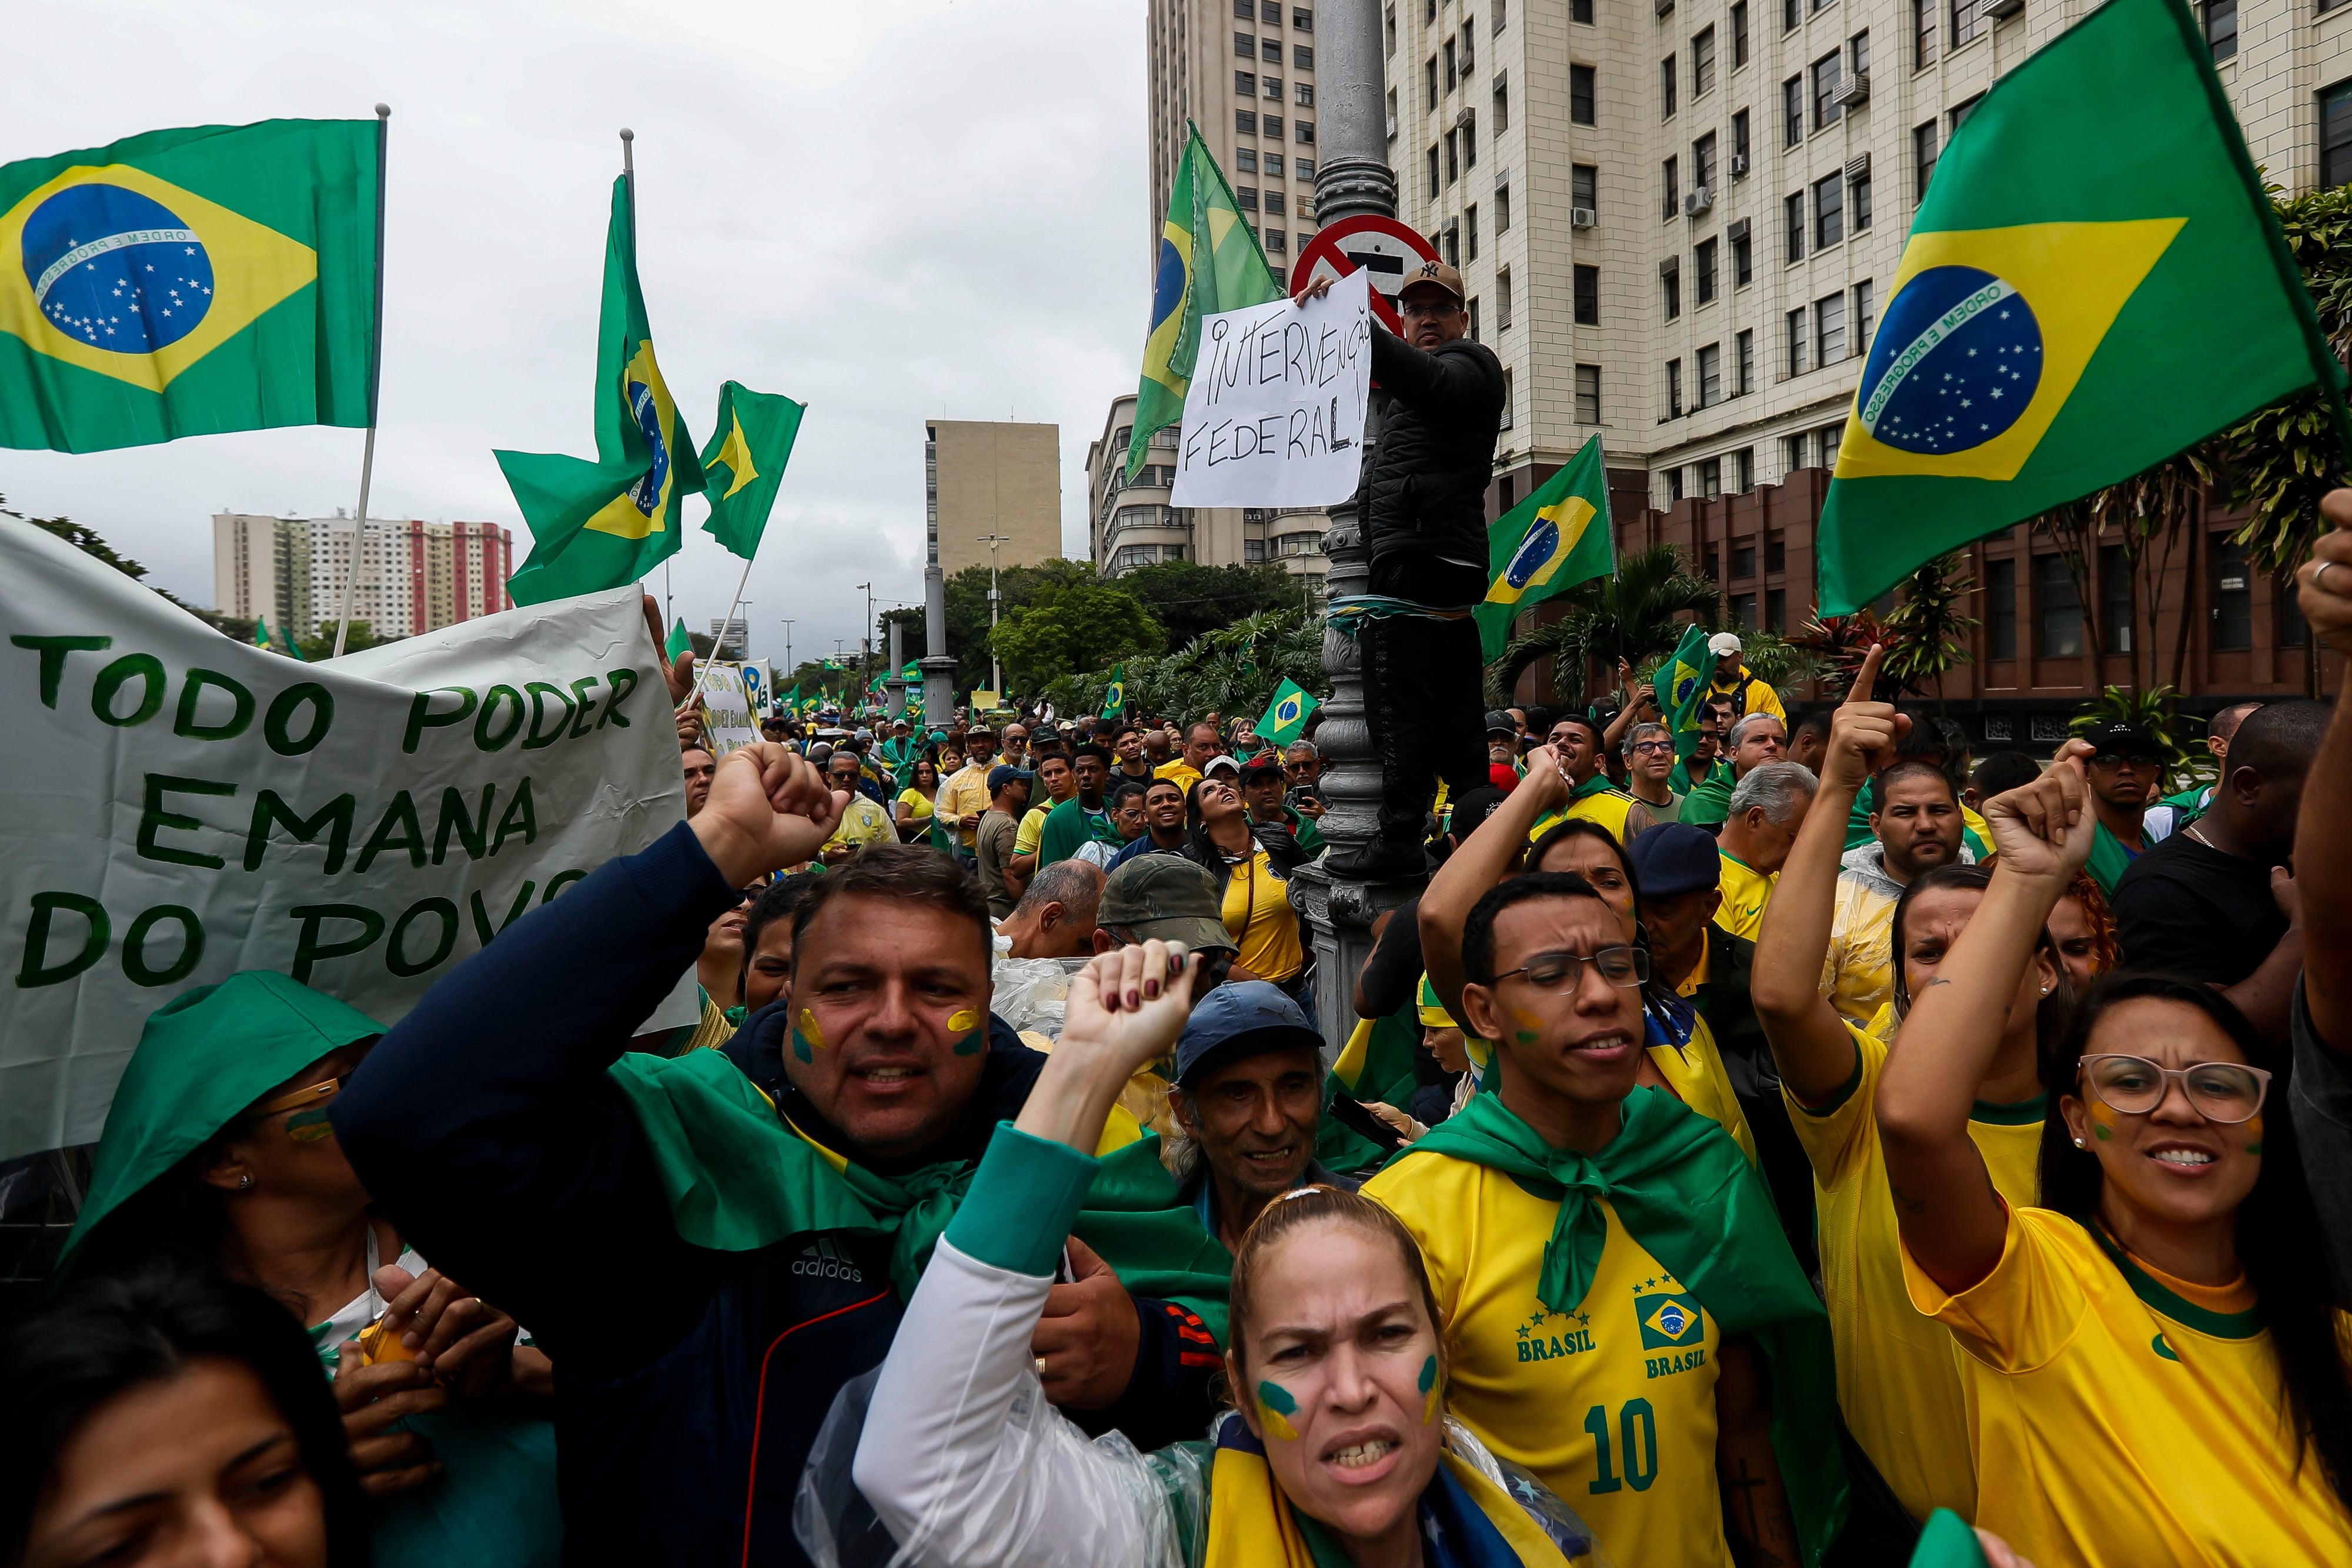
(689, 1383)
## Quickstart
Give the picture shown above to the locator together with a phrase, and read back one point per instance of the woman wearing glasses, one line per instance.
(1252, 863)
(2163, 1316)
(217, 1158)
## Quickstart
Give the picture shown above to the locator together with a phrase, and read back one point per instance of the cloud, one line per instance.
(894, 210)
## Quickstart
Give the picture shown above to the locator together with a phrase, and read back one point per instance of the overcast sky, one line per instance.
(893, 210)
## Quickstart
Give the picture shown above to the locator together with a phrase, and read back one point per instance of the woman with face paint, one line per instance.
(1341, 1450)
(2164, 1314)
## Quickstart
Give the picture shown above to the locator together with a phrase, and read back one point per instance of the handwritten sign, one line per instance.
(1275, 416)
(727, 717)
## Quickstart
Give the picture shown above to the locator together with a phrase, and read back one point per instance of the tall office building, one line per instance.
(414, 576)
(1132, 524)
(982, 477)
(733, 636)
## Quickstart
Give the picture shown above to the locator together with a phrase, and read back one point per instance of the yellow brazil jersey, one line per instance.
(1612, 1405)
(1745, 892)
(1899, 1386)
(1624, 816)
(1692, 1069)
(2115, 1421)
(1032, 831)
(1177, 771)
(1258, 913)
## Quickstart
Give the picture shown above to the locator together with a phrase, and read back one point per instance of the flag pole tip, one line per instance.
(384, 112)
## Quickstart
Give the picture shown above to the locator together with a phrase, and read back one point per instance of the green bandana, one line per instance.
(740, 1178)
(1686, 1193)
(2109, 860)
(1598, 783)
(1948, 1542)
(206, 1056)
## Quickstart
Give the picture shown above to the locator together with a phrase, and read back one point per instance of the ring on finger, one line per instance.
(1041, 1368)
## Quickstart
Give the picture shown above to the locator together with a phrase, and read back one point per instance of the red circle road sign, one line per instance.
(1384, 247)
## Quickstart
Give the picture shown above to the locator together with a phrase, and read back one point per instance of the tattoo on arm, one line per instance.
(1906, 1202)
(1931, 984)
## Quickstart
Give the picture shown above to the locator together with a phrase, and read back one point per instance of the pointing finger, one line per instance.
(1866, 680)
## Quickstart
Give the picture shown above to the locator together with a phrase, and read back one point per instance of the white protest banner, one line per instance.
(759, 686)
(1275, 416)
(726, 714)
(176, 806)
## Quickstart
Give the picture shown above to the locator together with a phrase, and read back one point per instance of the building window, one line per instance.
(1827, 72)
(1502, 208)
(1270, 50)
(1792, 457)
(1667, 88)
(1474, 318)
(1670, 284)
(1828, 438)
(1792, 111)
(1581, 95)
(1702, 48)
(2058, 610)
(1470, 223)
(1740, 137)
(1303, 20)
(1739, 34)
(1245, 161)
(1788, 15)
(1923, 32)
(1743, 612)
(1857, 199)
(1743, 560)
(1306, 95)
(1703, 162)
(1503, 299)
(1792, 218)
(1246, 10)
(2335, 135)
(1246, 197)
(1584, 179)
(1743, 374)
(1245, 122)
(1709, 475)
(1433, 171)
(1502, 104)
(1581, 11)
(1429, 81)
(1776, 551)
(1776, 609)
(1743, 470)
(1669, 177)
(1828, 329)
(2115, 601)
(1674, 486)
(1829, 210)
(2222, 27)
(1453, 156)
(1507, 419)
(1499, 8)
(1391, 22)
(1245, 45)
(1588, 394)
(2233, 597)
(1710, 375)
(1302, 56)
(1245, 84)
(1960, 112)
(1866, 316)
(1452, 245)
(1303, 167)
(1469, 140)
(1798, 338)
(1922, 157)
(1858, 51)
(1966, 21)
(1451, 74)
(1743, 260)
(1588, 296)
(1252, 552)
(1703, 270)
(2001, 608)
(1274, 198)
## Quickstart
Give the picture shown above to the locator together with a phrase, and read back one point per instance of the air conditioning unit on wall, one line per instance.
(1583, 218)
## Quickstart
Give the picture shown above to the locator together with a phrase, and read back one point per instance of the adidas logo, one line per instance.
(822, 1260)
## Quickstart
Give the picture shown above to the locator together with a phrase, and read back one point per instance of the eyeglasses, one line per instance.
(2107, 761)
(309, 1124)
(1619, 965)
(1438, 308)
(1652, 747)
(2225, 1091)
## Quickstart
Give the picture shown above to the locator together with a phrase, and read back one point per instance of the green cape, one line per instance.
(1682, 1189)
(204, 1057)
(2109, 860)
(1068, 826)
(739, 1178)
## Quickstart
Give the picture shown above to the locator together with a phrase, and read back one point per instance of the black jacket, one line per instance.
(688, 1383)
(1427, 490)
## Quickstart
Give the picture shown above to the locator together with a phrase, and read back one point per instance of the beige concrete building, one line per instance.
(1676, 221)
(414, 576)
(1133, 525)
(1244, 71)
(984, 477)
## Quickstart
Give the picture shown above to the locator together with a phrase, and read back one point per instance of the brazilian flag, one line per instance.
(2095, 282)
(1209, 262)
(188, 283)
(1681, 680)
(1115, 695)
(1557, 538)
(1286, 717)
(679, 643)
(599, 525)
(751, 440)
(261, 631)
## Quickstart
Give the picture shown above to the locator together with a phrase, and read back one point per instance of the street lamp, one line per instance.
(788, 643)
(995, 675)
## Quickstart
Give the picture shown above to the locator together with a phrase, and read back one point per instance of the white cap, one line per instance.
(1723, 642)
(1221, 763)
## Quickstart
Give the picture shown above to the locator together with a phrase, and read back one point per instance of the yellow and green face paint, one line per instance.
(807, 1037)
(1530, 1027)
(966, 1034)
(2252, 1124)
(1275, 1408)
(1429, 1391)
(2103, 1120)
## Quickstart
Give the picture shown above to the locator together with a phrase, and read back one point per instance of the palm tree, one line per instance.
(1632, 615)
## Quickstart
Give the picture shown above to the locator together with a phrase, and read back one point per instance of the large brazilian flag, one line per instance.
(2095, 282)
(1556, 538)
(1209, 261)
(188, 283)
(597, 525)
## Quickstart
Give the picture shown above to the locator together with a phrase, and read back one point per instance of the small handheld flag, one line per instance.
(261, 631)
(1286, 717)
(1115, 695)
(1557, 538)
(2096, 232)
(599, 525)
(189, 282)
(679, 642)
(1680, 682)
(751, 441)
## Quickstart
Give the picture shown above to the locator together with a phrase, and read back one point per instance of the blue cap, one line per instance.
(1672, 859)
(1005, 773)
(1238, 1020)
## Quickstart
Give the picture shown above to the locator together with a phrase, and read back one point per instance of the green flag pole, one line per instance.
(375, 381)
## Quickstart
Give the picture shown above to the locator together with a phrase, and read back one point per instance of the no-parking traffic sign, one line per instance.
(1385, 248)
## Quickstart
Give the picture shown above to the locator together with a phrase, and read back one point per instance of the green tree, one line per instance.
(1192, 601)
(1931, 635)
(1079, 624)
(1635, 615)
(1232, 671)
(320, 644)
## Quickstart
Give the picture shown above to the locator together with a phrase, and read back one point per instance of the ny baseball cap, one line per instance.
(1168, 898)
(1432, 273)
(1239, 1020)
(1672, 859)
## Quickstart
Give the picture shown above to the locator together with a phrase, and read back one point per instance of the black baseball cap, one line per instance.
(2123, 738)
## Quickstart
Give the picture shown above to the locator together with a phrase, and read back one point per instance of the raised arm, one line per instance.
(2322, 832)
(1810, 1043)
(1952, 1220)
(1458, 383)
(958, 1464)
(1479, 862)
